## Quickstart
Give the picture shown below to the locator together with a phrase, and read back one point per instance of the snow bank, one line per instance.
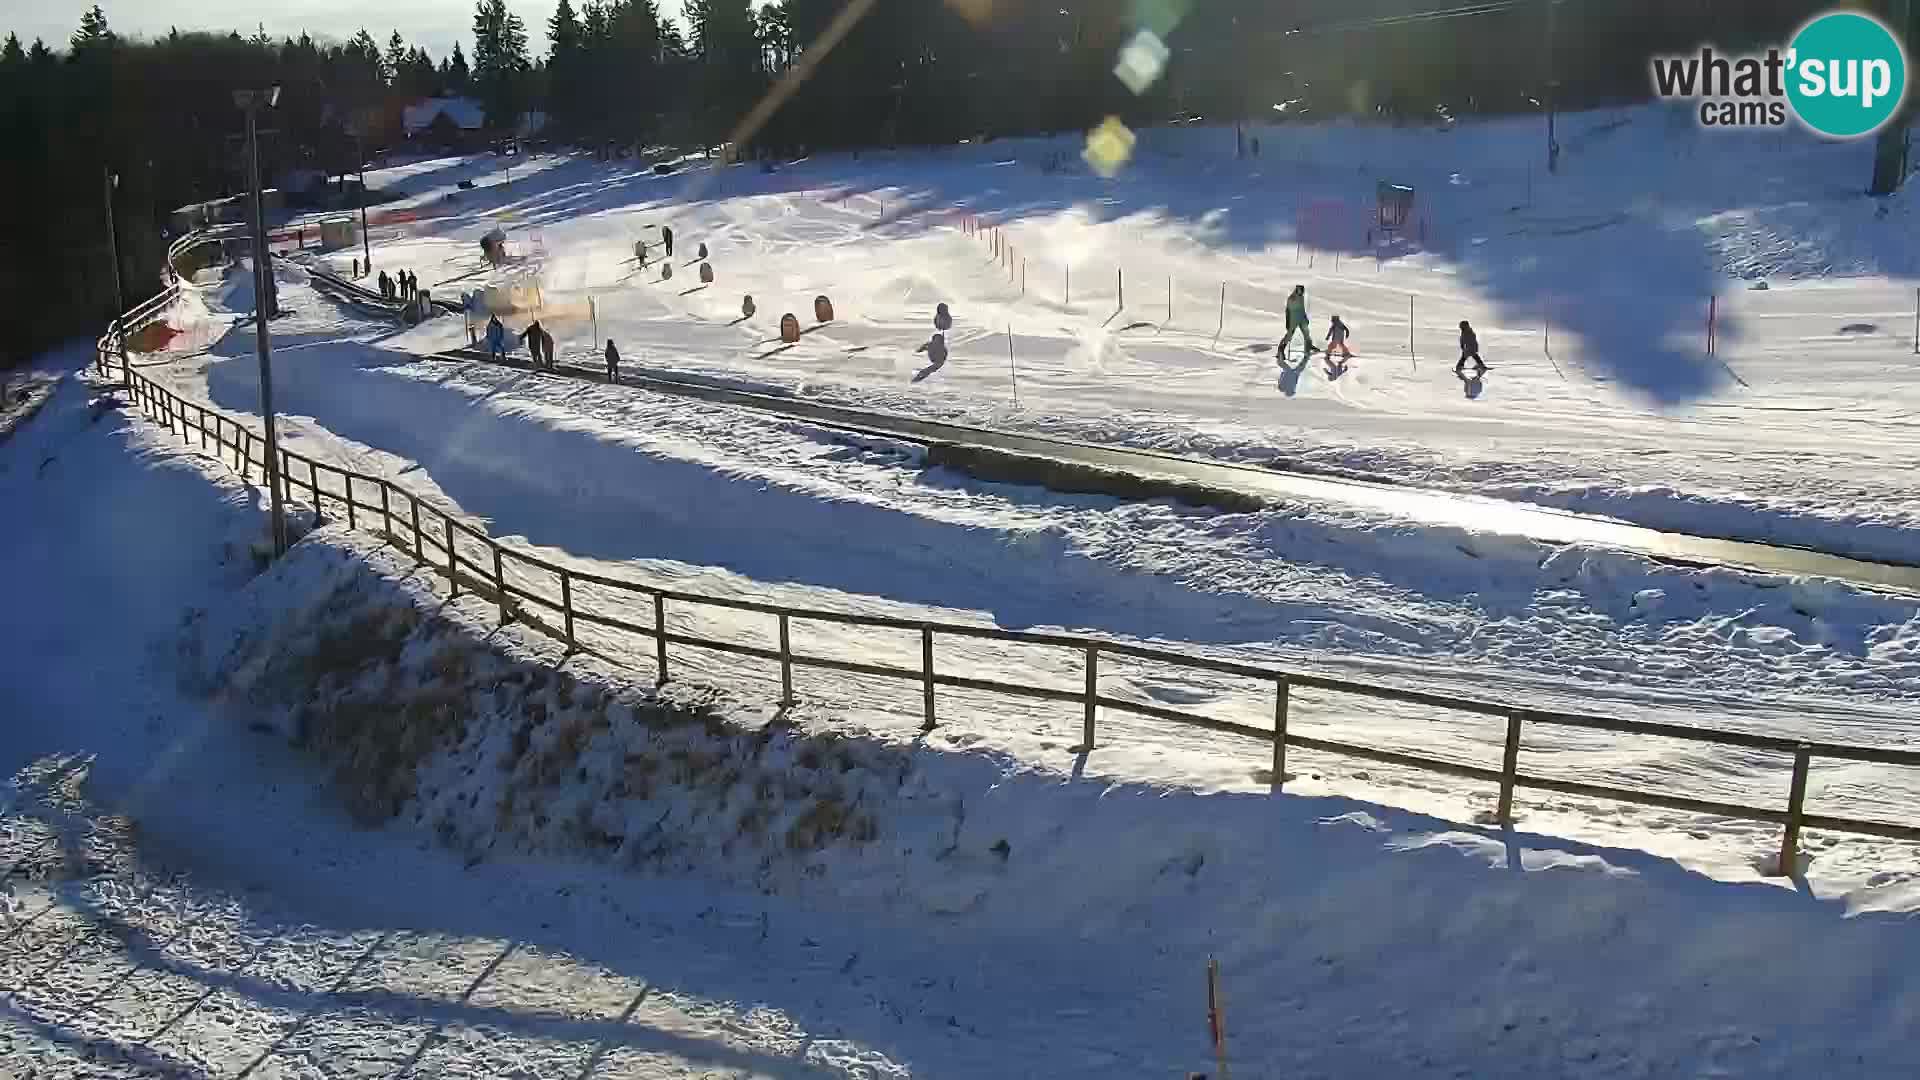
(1351, 933)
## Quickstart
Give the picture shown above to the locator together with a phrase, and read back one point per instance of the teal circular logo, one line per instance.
(1846, 74)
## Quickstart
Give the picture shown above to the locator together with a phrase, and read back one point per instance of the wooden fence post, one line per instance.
(313, 481)
(203, 425)
(419, 548)
(453, 560)
(386, 514)
(1280, 693)
(786, 666)
(1796, 807)
(1093, 699)
(499, 581)
(1509, 765)
(566, 608)
(660, 638)
(926, 677)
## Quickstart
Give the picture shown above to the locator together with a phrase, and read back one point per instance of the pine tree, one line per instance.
(567, 69)
(12, 55)
(459, 78)
(500, 62)
(394, 64)
(93, 31)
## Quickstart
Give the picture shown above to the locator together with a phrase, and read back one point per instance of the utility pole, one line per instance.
(110, 181)
(366, 246)
(250, 101)
(1553, 87)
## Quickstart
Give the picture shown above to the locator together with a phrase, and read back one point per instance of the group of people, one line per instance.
(640, 246)
(403, 286)
(1337, 333)
(539, 343)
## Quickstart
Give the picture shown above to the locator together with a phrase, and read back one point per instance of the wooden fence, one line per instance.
(434, 537)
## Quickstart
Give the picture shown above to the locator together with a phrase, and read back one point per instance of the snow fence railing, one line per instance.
(474, 561)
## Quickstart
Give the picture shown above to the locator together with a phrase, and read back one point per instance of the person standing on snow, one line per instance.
(530, 337)
(546, 346)
(1337, 339)
(386, 286)
(666, 237)
(1469, 347)
(613, 362)
(1297, 320)
(496, 338)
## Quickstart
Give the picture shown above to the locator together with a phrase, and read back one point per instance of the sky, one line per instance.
(435, 24)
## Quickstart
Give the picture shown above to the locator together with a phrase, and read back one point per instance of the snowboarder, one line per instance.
(613, 362)
(1469, 347)
(496, 338)
(1337, 339)
(666, 237)
(1297, 320)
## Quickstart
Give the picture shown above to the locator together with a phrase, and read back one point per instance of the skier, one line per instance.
(496, 339)
(1469, 347)
(1297, 320)
(613, 362)
(546, 346)
(530, 337)
(1337, 339)
(386, 286)
(640, 252)
(666, 237)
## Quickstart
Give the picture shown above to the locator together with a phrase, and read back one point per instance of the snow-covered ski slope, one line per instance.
(1590, 292)
(733, 503)
(181, 894)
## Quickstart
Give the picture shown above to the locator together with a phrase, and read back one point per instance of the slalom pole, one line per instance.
(1411, 354)
(1169, 299)
(1120, 285)
(1713, 303)
(1223, 314)
(1916, 322)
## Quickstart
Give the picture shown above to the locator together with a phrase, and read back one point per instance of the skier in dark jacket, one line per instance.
(546, 346)
(666, 237)
(1469, 347)
(531, 338)
(613, 362)
(1337, 340)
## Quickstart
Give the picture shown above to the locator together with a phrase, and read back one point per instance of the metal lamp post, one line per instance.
(250, 102)
(113, 252)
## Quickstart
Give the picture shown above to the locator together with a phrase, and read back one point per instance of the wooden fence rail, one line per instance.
(435, 542)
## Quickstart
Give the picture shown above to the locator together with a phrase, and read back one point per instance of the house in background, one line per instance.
(452, 124)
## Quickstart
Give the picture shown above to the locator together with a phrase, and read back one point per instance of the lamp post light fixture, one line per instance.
(250, 102)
